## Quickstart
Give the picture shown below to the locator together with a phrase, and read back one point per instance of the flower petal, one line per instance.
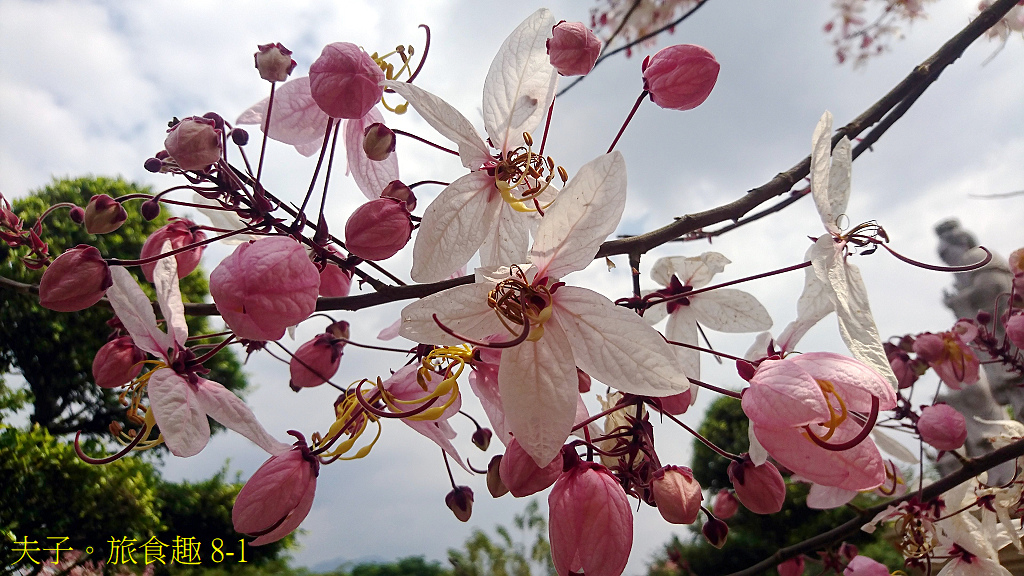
(371, 176)
(692, 271)
(826, 497)
(178, 413)
(682, 327)
(168, 294)
(484, 381)
(728, 310)
(448, 121)
(273, 491)
(464, 309)
(859, 468)
(814, 304)
(135, 311)
(539, 387)
(586, 211)
(520, 83)
(783, 394)
(296, 118)
(821, 165)
(508, 242)
(454, 226)
(854, 381)
(616, 346)
(293, 520)
(223, 406)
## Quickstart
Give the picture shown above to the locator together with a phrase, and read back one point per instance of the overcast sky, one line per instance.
(87, 88)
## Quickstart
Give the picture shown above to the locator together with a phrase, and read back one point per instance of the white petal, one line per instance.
(168, 294)
(539, 388)
(454, 226)
(508, 241)
(371, 176)
(728, 310)
(839, 178)
(135, 311)
(223, 406)
(758, 455)
(828, 497)
(177, 412)
(814, 304)
(296, 118)
(694, 271)
(464, 309)
(222, 219)
(759, 347)
(446, 120)
(520, 83)
(682, 327)
(821, 163)
(586, 211)
(616, 346)
(892, 447)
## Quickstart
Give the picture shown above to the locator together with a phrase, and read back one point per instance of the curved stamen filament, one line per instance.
(853, 442)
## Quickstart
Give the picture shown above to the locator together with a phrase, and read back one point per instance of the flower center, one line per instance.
(522, 176)
(520, 304)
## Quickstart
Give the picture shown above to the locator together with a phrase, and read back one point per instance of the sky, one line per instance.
(86, 87)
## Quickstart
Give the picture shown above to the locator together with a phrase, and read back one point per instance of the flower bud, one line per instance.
(378, 229)
(791, 567)
(521, 474)
(76, 280)
(677, 494)
(901, 364)
(345, 82)
(315, 362)
(194, 143)
(218, 121)
(117, 362)
(482, 438)
(680, 77)
(378, 141)
(760, 488)
(590, 522)
(180, 233)
(583, 381)
(1015, 330)
(239, 136)
(274, 62)
(339, 330)
(335, 281)
(726, 505)
(76, 214)
(864, 566)
(942, 427)
(715, 531)
(573, 48)
(460, 502)
(103, 214)
(494, 484)
(150, 209)
(278, 497)
(153, 165)
(399, 191)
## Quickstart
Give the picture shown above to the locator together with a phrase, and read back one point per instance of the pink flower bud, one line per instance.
(901, 364)
(864, 566)
(942, 427)
(335, 282)
(791, 567)
(378, 142)
(482, 438)
(274, 62)
(180, 233)
(150, 209)
(460, 502)
(399, 191)
(1015, 330)
(680, 77)
(726, 505)
(378, 229)
(103, 214)
(591, 523)
(521, 474)
(117, 362)
(77, 279)
(677, 494)
(345, 82)
(278, 496)
(573, 48)
(194, 143)
(760, 488)
(76, 214)
(715, 532)
(495, 486)
(264, 287)
(315, 362)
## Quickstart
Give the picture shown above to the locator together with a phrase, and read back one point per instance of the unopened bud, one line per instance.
(239, 136)
(791, 567)
(460, 502)
(1015, 330)
(399, 191)
(378, 229)
(521, 474)
(680, 77)
(153, 165)
(194, 143)
(677, 494)
(315, 362)
(76, 214)
(117, 362)
(726, 505)
(942, 427)
(494, 484)
(573, 48)
(760, 488)
(103, 214)
(378, 141)
(76, 280)
(150, 209)
(218, 122)
(482, 438)
(274, 62)
(715, 531)
(345, 82)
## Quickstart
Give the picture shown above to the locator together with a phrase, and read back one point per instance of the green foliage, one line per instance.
(54, 350)
(725, 424)
(504, 556)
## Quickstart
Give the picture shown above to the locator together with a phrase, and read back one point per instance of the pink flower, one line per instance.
(942, 426)
(315, 362)
(680, 77)
(278, 496)
(76, 280)
(274, 62)
(335, 281)
(179, 232)
(677, 494)
(791, 567)
(404, 387)
(1015, 330)
(573, 48)
(1017, 264)
(760, 488)
(103, 214)
(522, 476)
(591, 523)
(726, 505)
(345, 82)
(801, 411)
(264, 287)
(950, 356)
(117, 362)
(864, 566)
(378, 229)
(194, 143)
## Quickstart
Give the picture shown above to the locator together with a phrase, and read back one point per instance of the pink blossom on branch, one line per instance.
(573, 48)
(680, 77)
(180, 232)
(277, 498)
(345, 82)
(117, 362)
(75, 280)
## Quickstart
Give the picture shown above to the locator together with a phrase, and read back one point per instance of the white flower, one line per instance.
(559, 327)
(472, 213)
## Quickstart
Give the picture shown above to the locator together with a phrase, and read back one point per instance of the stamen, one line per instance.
(868, 425)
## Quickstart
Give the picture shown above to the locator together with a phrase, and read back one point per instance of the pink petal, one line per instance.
(297, 120)
(484, 382)
(782, 394)
(223, 406)
(293, 520)
(273, 492)
(855, 381)
(591, 523)
(178, 413)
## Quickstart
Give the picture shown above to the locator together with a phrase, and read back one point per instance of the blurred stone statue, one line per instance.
(974, 292)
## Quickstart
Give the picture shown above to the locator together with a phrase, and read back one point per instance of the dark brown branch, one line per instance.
(970, 469)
